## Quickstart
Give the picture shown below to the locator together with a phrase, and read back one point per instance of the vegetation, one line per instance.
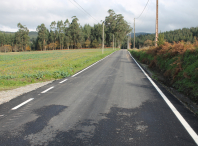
(178, 62)
(66, 35)
(186, 34)
(19, 69)
(33, 35)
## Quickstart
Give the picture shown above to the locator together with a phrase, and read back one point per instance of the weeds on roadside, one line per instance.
(178, 62)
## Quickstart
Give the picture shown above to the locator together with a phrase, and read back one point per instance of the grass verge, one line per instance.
(19, 69)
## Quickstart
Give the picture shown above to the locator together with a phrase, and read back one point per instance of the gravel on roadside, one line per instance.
(8, 95)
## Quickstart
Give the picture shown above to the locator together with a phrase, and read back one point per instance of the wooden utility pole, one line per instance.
(156, 28)
(113, 41)
(128, 42)
(103, 38)
(134, 35)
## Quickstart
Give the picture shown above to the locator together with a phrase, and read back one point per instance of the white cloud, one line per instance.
(172, 14)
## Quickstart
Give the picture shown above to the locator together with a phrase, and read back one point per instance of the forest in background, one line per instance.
(71, 35)
(186, 34)
(67, 35)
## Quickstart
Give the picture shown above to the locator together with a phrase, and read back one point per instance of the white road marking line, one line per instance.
(91, 65)
(63, 81)
(177, 114)
(47, 90)
(25, 102)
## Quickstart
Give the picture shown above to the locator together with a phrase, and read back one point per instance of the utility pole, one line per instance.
(134, 35)
(128, 42)
(156, 28)
(103, 38)
(113, 41)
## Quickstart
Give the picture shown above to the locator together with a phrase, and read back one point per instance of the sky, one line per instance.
(173, 14)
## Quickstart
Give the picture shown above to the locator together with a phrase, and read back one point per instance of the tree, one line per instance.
(75, 31)
(2, 39)
(67, 39)
(96, 33)
(148, 43)
(115, 24)
(28, 48)
(53, 32)
(42, 36)
(7, 48)
(95, 44)
(160, 39)
(61, 33)
(87, 31)
(87, 43)
(22, 36)
(78, 45)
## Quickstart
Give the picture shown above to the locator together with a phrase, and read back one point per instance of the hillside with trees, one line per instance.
(66, 35)
(185, 34)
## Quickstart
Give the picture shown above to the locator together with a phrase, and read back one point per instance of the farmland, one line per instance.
(19, 69)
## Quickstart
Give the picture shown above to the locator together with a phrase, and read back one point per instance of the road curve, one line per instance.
(111, 103)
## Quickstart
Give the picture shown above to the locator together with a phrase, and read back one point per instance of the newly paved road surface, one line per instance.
(110, 104)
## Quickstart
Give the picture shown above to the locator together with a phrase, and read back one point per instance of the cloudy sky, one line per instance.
(173, 14)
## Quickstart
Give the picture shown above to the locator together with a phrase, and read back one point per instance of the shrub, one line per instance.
(178, 62)
(60, 74)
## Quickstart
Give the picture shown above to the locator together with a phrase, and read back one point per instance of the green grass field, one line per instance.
(19, 69)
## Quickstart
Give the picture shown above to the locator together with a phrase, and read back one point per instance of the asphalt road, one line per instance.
(111, 103)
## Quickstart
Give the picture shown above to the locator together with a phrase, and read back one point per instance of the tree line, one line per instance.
(68, 35)
(185, 34)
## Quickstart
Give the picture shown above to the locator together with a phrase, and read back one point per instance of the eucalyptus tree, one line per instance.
(12, 39)
(53, 33)
(122, 29)
(110, 25)
(75, 31)
(42, 36)
(22, 36)
(67, 39)
(115, 24)
(87, 31)
(61, 33)
(97, 33)
(2, 39)
(81, 38)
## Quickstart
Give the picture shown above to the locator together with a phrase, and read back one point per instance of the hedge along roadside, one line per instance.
(178, 63)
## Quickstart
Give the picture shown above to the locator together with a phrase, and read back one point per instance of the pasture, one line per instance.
(22, 68)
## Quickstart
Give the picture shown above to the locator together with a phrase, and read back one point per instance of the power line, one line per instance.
(84, 10)
(144, 15)
(143, 10)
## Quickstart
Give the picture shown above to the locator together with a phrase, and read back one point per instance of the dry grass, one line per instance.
(178, 62)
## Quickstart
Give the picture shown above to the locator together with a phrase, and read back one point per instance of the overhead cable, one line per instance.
(84, 10)
(143, 10)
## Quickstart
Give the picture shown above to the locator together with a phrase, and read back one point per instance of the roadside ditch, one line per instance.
(156, 75)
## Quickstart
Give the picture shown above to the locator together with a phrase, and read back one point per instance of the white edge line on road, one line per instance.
(178, 115)
(47, 90)
(63, 81)
(91, 65)
(25, 102)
